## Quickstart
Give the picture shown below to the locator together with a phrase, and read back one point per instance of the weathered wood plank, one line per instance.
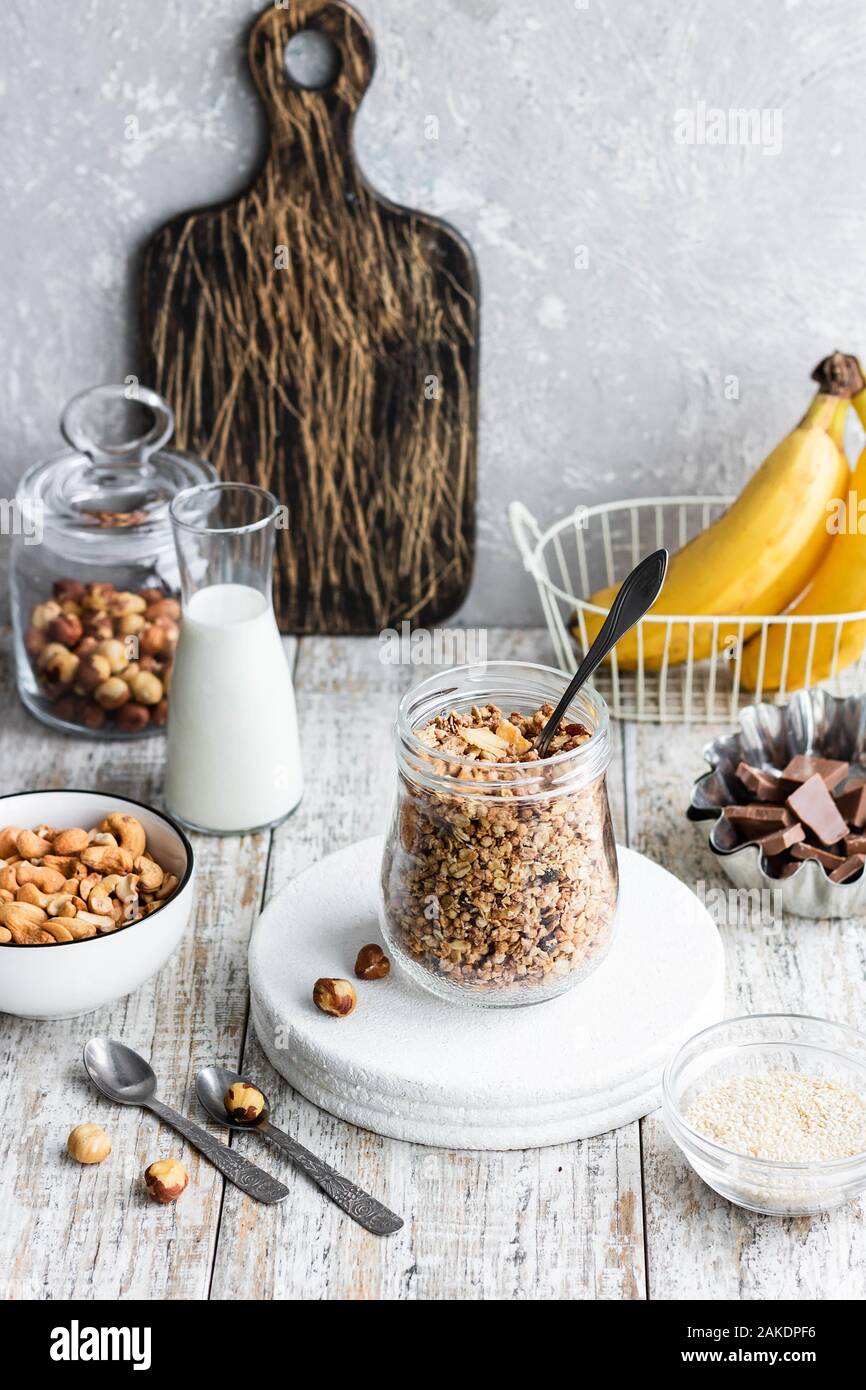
(72, 1232)
(699, 1245)
(562, 1222)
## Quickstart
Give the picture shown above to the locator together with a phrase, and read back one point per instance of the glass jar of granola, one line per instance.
(499, 877)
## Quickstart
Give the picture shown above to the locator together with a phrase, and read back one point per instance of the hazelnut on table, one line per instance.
(166, 1179)
(88, 1143)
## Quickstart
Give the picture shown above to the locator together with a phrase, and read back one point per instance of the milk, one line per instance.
(233, 760)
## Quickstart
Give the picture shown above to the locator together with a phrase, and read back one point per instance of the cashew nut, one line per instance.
(100, 837)
(30, 934)
(167, 887)
(87, 885)
(32, 846)
(58, 905)
(108, 859)
(79, 931)
(8, 835)
(97, 919)
(99, 900)
(6, 896)
(5, 935)
(29, 893)
(150, 873)
(70, 842)
(19, 914)
(129, 831)
(64, 862)
(58, 930)
(126, 887)
(9, 878)
(49, 880)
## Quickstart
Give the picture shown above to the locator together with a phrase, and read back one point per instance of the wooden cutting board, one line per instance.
(320, 341)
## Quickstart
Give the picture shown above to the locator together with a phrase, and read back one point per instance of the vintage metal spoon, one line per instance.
(125, 1077)
(211, 1085)
(638, 592)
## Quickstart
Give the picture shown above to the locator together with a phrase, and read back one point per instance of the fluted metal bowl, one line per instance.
(769, 735)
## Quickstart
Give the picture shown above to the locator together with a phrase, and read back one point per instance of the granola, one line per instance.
(501, 876)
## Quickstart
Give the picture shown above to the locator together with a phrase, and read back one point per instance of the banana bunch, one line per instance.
(775, 546)
(838, 585)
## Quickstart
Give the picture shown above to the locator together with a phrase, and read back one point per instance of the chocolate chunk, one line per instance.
(852, 805)
(804, 766)
(766, 786)
(855, 844)
(788, 869)
(814, 806)
(753, 821)
(851, 866)
(830, 861)
(782, 839)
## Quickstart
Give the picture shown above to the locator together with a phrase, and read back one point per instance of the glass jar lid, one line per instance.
(117, 478)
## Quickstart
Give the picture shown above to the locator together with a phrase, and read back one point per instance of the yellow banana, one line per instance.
(838, 586)
(758, 557)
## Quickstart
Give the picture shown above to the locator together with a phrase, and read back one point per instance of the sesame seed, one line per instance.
(790, 1117)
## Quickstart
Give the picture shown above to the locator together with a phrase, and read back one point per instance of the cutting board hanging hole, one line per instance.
(312, 60)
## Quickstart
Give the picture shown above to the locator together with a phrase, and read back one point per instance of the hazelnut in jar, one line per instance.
(94, 577)
(499, 878)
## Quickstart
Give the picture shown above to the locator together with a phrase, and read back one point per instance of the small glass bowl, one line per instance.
(755, 1044)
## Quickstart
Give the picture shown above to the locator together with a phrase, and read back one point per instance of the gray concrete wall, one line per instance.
(629, 270)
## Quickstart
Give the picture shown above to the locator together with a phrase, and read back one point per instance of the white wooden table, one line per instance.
(617, 1217)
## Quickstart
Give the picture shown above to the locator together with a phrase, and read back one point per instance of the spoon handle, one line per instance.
(351, 1199)
(245, 1175)
(637, 593)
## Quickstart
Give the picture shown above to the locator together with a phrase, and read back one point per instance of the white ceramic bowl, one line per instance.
(74, 977)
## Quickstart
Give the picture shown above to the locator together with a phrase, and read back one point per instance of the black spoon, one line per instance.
(637, 594)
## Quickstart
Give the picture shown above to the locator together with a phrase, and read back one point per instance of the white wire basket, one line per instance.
(597, 546)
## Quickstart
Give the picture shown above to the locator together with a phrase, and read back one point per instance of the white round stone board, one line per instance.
(412, 1066)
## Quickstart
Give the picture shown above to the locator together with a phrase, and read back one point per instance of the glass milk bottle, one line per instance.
(233, 760)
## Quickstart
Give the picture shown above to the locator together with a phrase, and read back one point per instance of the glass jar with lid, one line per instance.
(94, 581)
(499, 879)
